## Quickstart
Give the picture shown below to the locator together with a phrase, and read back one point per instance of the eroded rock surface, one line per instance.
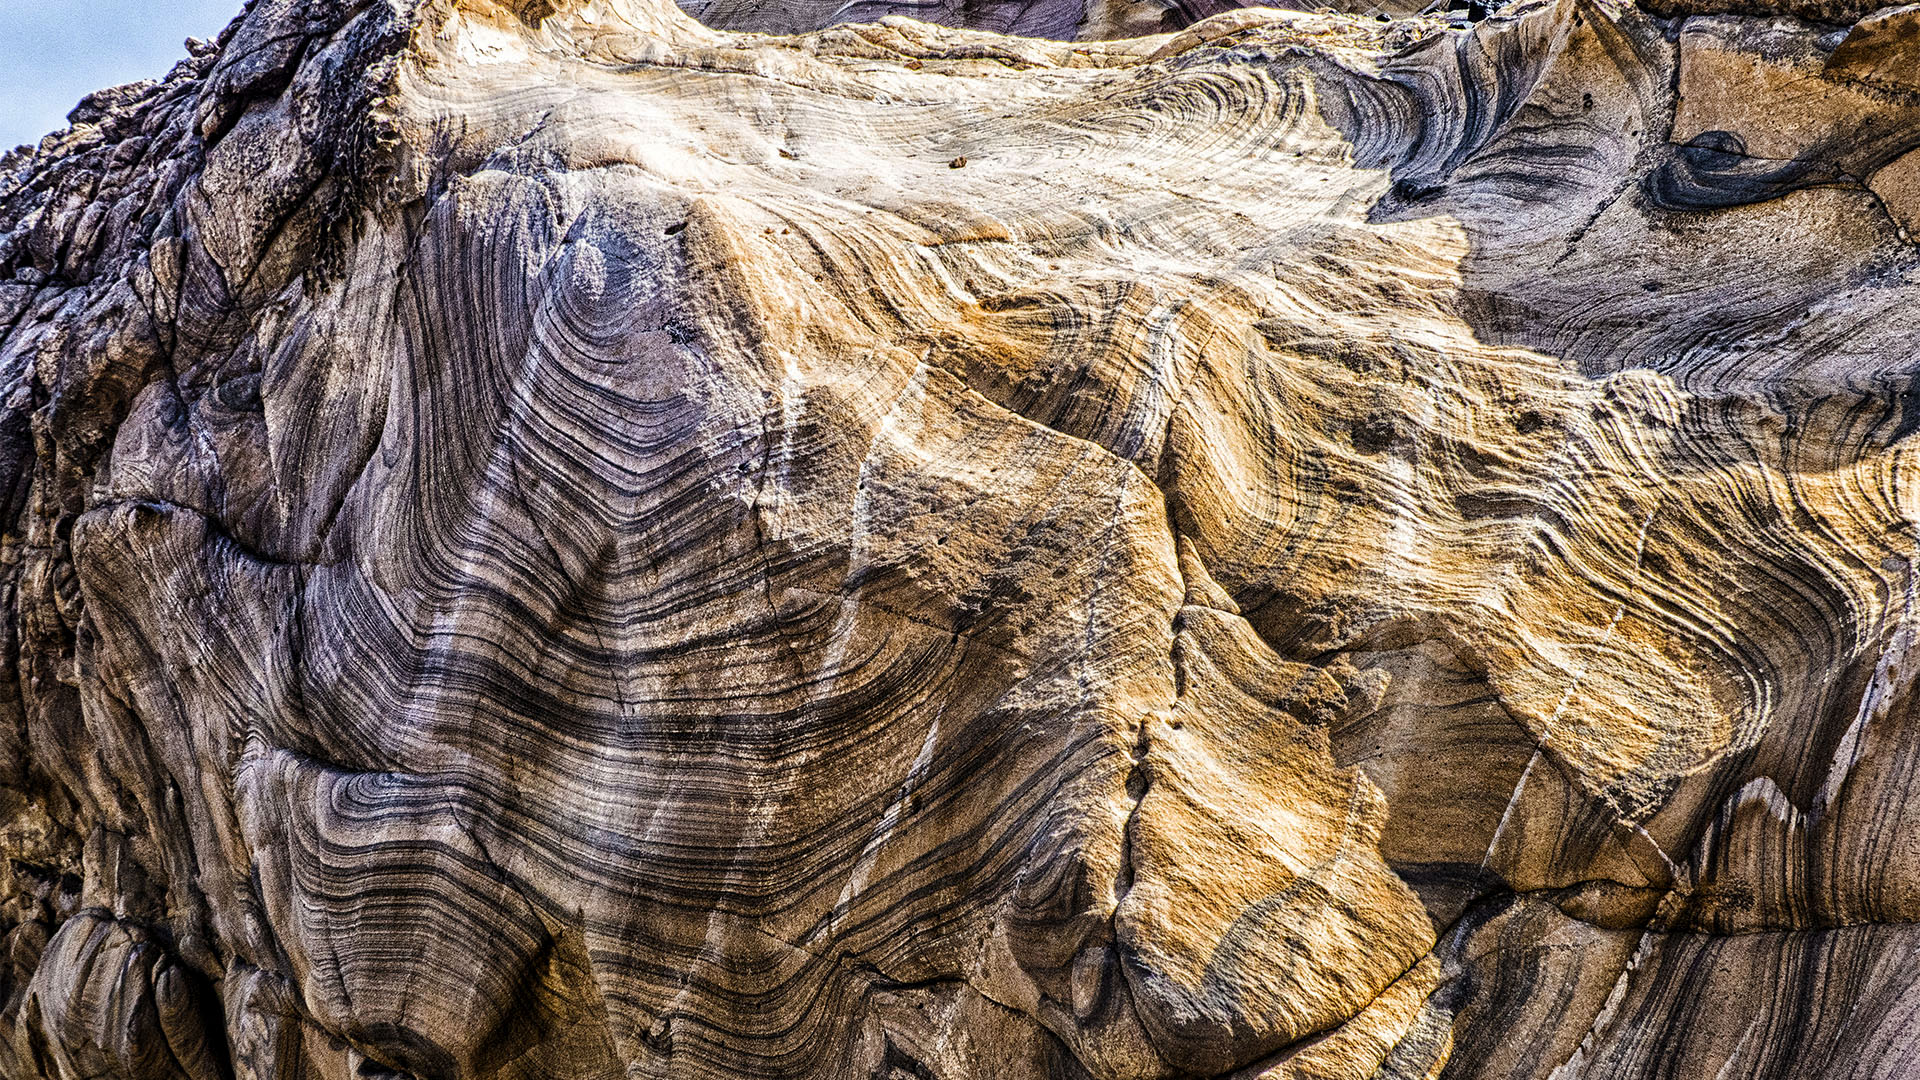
(1092, 20)
(553, 541)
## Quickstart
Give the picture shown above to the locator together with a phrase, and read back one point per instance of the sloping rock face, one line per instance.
(552, 541)
(1083, 19)
(1030, 18)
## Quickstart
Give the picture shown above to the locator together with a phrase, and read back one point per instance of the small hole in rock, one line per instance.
(1412, 191)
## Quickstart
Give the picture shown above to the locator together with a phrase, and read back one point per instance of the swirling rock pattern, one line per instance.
(548, 540)
(1064, 19)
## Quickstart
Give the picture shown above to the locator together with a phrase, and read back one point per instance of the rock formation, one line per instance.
(1083, 19)
(546, 540)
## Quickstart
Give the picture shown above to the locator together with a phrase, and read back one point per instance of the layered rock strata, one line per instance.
(548, 540)
(1063, 19)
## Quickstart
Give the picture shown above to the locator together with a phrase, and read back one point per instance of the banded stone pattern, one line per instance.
(1093, 20)
(1061, 19)
(554, 541)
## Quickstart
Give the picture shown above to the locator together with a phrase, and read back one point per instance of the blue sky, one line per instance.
(54, 52)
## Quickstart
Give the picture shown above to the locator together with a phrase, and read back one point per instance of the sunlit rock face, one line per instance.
(552, 541)
(1062, 19)
(1089, 20)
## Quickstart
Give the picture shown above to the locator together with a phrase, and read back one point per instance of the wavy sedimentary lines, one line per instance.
(867, 475)
(1876, 699)
(1058, 19)
(1568, 699)
(1302, 546)
(1091, 412)
(745, 727)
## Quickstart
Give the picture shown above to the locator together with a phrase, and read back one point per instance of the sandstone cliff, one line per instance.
(1082, 19)
(547, 540)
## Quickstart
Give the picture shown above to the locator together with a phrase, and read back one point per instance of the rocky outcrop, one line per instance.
(1063, 19)
(549, 540)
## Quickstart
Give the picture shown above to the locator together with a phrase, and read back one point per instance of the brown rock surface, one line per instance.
(548, 540)
(1092, 20)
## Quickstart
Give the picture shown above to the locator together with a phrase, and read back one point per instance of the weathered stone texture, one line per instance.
(549, 540)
